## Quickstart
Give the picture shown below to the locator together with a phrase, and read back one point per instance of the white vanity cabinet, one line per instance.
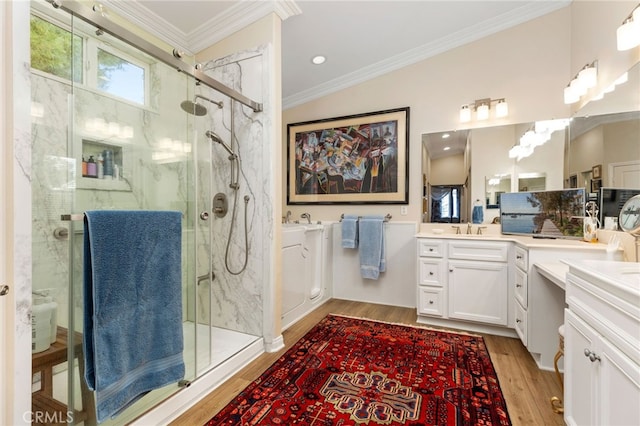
(466, 280)
(538, 307)
(602, 344)
(431, 277)
(478, 277)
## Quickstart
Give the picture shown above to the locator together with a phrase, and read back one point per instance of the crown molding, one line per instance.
(139, 15)
(237, 17)
(234, 18)
(482, 29)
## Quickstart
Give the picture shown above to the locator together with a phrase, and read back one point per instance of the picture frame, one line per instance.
(596, 171)
(596, 184)
(353, 159)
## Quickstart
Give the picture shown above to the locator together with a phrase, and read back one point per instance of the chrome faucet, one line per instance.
(480, 228)
(306, 216)
(287, 218)
(469, 230)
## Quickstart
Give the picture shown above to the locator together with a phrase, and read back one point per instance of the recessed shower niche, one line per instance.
(103, 165)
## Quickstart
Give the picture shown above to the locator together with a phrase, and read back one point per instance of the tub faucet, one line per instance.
(287, 218)
(306, 216)
(469, 230)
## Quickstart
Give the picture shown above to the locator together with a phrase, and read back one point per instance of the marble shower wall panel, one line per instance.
(52, 186)
(238, 300)
(154, 179)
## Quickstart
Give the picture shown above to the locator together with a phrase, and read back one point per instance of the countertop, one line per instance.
(525, 241)
(619, 278)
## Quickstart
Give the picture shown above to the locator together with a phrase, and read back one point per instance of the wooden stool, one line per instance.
(46, 409)
(556, 402)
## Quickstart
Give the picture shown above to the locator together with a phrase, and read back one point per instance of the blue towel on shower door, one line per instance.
(372, 258)
(132, 305)
(350, 231)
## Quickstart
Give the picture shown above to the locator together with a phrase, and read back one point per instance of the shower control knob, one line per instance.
(204, 215)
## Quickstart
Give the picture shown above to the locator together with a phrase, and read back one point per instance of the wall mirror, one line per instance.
(495, 186)
(602, 137)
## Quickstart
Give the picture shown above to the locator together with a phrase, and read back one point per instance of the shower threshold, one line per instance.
(225, 345)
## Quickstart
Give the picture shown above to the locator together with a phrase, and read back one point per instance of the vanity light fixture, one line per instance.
(587, 78)
(628, 34)
(482, 109)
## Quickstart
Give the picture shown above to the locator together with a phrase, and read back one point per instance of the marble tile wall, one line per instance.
(237, 299)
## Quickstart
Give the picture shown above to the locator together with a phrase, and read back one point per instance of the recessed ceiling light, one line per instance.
(446, 148)
(318, 59)
(446, 135)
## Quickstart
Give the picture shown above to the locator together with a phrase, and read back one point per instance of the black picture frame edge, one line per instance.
(345, 117)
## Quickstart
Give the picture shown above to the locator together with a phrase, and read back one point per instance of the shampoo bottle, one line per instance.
(92, 170)
(40, 325)
(100, 167)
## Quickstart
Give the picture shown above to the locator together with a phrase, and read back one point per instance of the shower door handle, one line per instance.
(205, 277)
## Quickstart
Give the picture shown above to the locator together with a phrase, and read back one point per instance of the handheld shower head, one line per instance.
(215, 138)
(193, 107)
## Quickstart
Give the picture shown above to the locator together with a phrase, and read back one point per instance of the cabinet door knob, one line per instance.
(431, 302)
(518, 320)
(519, 257)
(518, 285)
(451, 270)
(591, 355)
(430, 273)
(431, 249)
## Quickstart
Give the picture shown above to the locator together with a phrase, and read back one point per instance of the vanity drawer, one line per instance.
(430, 248)
(522, 258)
(520, 291)
(521, 322)
(479, 250)
(430, 301)
(431, 271)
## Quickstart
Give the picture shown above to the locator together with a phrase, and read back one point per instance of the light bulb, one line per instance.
(482, 113)
(588, 76)
(628, 34)
(502, 108)
(570, 96)
(465, 114)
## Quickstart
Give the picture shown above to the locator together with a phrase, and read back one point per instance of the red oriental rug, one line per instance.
(348, 371)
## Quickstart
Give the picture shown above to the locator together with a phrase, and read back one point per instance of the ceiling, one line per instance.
(360, 39)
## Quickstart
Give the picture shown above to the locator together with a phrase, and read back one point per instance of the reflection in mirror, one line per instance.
(604, 149)
(532, 182)
(495, 186)
(603, 133)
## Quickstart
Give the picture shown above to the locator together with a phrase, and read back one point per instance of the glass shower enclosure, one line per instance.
(108, 133)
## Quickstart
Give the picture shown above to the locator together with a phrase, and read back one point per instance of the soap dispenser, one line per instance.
(92, 170)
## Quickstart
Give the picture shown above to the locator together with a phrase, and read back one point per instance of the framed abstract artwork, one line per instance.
(355, 159)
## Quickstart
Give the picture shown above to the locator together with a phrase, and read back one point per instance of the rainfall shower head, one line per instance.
(193, 107)
(215, 138)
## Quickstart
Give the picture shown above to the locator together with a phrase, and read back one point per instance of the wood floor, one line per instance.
(527, 390)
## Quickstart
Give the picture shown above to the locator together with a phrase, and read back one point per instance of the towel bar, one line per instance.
(72, 217)
(387, 218)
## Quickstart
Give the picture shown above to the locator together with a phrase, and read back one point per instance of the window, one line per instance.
(60, 52)
(120, 77)
(55, 50)
(445, 203)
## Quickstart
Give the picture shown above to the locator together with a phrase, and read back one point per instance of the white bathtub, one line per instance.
(306, 279)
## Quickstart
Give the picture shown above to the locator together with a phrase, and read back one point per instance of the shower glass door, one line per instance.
(107, 134)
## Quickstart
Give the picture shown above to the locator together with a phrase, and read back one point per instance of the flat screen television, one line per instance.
(611, 202)
(557, 214)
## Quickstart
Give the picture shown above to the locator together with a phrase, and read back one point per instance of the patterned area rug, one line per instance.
(348, 371)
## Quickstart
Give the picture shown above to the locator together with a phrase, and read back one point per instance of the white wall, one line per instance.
(396, 286)
(528, 65)
(448, 170)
